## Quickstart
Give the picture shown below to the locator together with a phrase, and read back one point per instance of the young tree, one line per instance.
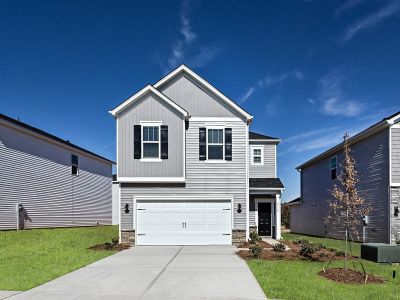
(347, 207)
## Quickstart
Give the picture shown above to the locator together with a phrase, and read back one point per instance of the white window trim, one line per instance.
(154, 124)
(252, 155)
(223, 144)
(330, 167)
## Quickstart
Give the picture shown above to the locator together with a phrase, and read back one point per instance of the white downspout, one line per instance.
(278, 216)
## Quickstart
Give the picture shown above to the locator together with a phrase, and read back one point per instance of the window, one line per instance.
(333, 163)
(74, 165)
(151, 141)
(257, 156)
(215, 144)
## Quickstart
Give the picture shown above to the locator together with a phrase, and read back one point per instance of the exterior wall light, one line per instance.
(126, 208)
(239, 210)
(396, 211)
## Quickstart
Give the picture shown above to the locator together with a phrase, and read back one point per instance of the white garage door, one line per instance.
(184, 222)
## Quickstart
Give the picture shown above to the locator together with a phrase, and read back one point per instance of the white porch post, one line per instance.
(278, 216)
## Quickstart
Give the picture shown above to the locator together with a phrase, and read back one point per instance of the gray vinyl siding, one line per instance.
(268, 169)
(226, 179)
(395, 155)
(150, 108)
(37, 174)
(372, 157)
(195, 99)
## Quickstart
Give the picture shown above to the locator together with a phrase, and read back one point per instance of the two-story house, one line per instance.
(377, 154)
(189, 170)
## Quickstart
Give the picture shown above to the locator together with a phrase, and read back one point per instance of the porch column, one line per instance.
(278, 216)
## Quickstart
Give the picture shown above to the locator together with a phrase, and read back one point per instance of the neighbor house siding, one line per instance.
(268, 169)
(395, 155)
(195, 99)
(372, 157)
(225, 179)
(150, 108)
(37, 174)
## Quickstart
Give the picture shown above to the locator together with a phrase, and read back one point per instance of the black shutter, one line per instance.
(202, 144)
(164, 142)
(137, 142)
(228, 143)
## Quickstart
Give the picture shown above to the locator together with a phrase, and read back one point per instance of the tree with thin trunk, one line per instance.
(347, 207)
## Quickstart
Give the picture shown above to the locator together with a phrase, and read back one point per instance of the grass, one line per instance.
(32, 257)
(300, 279)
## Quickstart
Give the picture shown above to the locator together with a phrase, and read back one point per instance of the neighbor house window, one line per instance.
(257, 156)
(151, 141)
(215, 143)
(74, 165)
(333, 167)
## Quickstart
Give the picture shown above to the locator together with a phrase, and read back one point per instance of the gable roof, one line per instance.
(259, 136)
(377, 127)
(52, 137)
(265, 183)
(148, 89)
(184, 69)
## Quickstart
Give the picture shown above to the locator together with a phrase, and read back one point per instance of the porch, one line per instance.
(265, 206)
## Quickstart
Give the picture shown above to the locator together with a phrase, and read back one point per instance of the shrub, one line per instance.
(255, 250)
(108, 246)
(308, 249)
(254, 237)
(339, 253)
(301, 242)
(114, 241)
(278, 247)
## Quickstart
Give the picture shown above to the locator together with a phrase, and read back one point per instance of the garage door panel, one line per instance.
(184, 222)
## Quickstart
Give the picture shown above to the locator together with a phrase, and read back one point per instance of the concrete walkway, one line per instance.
(6, 294)
(169, 272)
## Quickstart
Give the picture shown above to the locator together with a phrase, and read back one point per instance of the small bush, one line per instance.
(339, 253)
(254, 237)
(255, 250)
(308, 249)
(108, 246)
(278, 247)
(114, 241)
(301, 242)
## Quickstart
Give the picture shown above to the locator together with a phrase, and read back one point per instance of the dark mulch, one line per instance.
(261, 243)
(322, 255)
(110, 247)
(350, 276)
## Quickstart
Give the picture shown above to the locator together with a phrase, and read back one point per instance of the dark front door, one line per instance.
(264, 219)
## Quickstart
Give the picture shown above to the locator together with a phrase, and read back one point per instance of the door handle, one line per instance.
(185, 225)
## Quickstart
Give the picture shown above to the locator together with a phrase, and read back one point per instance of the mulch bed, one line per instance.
(110, 247)
(322, 255)
(350, 276)
(261, 243)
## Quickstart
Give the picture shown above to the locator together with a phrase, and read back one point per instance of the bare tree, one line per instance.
(347, 207)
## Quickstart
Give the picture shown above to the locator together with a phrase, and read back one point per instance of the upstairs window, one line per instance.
(257, 156)
(151, 141)
(333, 164)
(215, 144)
(74, 165)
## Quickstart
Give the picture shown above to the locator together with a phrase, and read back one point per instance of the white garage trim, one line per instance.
(180, 198)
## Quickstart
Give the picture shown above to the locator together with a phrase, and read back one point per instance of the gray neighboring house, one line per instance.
(58, 183)
(377, 154)
(189, 170)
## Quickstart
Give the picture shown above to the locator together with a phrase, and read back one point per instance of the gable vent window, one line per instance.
(215, 144)
(151, 141)
(333, 164)
(257, 155)
(74, 165)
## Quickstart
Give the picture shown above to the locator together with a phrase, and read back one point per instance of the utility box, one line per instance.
(380, 252)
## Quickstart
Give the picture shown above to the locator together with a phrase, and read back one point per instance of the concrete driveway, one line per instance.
(168, 272)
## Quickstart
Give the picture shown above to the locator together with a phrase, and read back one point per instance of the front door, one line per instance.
(264, 219)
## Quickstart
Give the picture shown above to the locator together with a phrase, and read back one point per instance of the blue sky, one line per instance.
(307, 70)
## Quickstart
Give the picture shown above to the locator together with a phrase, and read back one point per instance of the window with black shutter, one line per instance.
(137, 142)
(202, 143)
(164, 142)
(228, 143)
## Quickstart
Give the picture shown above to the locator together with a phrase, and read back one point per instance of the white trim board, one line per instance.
(252, 148)
(150, 179)
(142, 92)
(185, 69)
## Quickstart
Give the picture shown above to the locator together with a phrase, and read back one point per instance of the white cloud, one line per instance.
(183, 50)
(332, 99)
(348, 5)
(271, 81)
(372, 19)
(311, 101)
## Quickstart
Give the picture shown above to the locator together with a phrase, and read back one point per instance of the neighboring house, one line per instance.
(377, 154)
(190, 173)
(58, 183)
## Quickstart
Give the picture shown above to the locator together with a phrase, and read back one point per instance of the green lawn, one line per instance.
(299, 279)
(31, 257)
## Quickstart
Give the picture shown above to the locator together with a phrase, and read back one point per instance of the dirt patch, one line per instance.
(350, 276)
(261, 243)
(322, 255)
(110, 247)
